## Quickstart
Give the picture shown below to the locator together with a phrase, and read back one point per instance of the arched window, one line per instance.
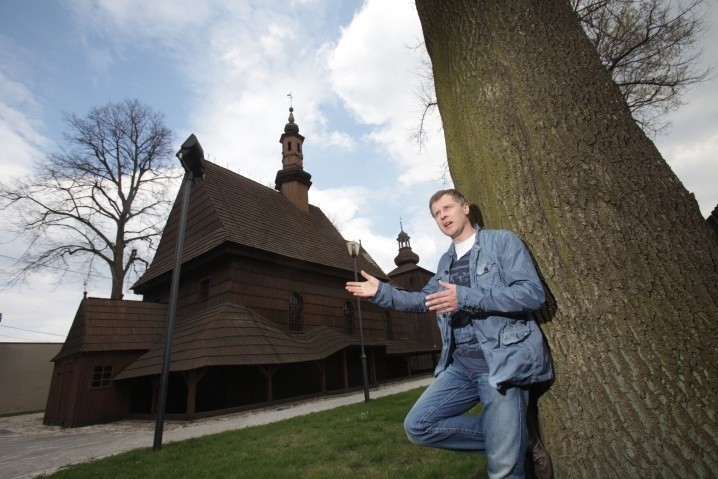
(204, 289)
(387, 323)
(348, 317)
(295, 313)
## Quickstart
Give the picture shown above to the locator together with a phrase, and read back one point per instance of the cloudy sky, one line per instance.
(223, 70)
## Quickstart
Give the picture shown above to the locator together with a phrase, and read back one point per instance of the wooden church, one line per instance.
(262, 313)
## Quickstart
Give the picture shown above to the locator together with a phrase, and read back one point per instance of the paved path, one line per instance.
(28, 448)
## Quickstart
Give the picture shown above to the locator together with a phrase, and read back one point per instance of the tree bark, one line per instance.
(541, 139)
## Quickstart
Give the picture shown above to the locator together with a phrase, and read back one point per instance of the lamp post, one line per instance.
(191, 156)
(353, 247)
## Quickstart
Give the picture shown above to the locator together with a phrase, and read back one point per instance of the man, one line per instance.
(484, 292)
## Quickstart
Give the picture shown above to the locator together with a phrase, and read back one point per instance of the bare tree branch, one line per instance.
(103, 196)
(648, 46)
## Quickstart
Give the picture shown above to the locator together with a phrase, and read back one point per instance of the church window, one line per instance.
(295, 313)
(101, 377)
(204, 289)
(387, 323)
(348, 317)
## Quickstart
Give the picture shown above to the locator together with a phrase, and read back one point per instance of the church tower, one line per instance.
(292, 181)
(406, 255)
(408, 274)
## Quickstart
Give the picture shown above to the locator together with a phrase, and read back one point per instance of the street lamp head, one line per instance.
(353, 248)
(191, 156)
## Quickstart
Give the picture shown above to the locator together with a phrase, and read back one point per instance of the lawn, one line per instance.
(364, 440)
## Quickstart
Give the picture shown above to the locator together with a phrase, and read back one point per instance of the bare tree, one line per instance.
(102, 197)
(648, 46)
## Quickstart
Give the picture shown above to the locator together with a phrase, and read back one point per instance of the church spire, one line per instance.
(292, 181)
(406, 255)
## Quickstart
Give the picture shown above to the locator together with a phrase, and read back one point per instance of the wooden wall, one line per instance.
(73, 402)
(265, 283)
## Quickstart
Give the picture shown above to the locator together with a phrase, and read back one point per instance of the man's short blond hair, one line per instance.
(458, 197)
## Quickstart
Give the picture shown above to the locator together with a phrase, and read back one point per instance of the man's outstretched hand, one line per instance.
(445, 300)
(364, 289)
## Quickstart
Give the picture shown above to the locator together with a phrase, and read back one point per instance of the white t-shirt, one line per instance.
(464, 246)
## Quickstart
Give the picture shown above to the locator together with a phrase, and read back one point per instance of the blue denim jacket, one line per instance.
(505, 289)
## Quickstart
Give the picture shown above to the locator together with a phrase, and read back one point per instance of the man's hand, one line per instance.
(444, 301)
(364, 289)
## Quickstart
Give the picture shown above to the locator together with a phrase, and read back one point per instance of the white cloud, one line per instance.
(373, 58)
(696, 164)
(340, 205)
(374, 69)
(353, 210)
(20, 127)
(335, 139)
(415, 165)
(165, 21)
(691, 148)
(347, 209)
(41, 306)
(240, 74)
(273, 42)
(691, 144)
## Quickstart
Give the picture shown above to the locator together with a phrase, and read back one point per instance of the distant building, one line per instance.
(262, 313)
(25, 372)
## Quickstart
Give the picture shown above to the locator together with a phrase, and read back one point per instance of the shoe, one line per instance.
(538, 456)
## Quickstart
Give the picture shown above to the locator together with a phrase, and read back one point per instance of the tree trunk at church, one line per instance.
(540, 138)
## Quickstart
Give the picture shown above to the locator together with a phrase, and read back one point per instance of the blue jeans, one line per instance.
(438, 420)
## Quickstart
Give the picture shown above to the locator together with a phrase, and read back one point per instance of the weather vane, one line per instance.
(291, 97)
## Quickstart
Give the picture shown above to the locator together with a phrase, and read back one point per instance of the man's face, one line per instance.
(452, 218)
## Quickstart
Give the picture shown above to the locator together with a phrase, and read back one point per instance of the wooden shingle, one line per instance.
(226, 207)
(232, 335)
(114, 325)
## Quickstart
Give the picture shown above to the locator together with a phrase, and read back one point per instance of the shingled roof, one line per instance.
(407, 267)
(226, 207)
(231, 335)
(114, 325)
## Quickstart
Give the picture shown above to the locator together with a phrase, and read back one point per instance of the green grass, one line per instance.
(22, 413)
(363, 440)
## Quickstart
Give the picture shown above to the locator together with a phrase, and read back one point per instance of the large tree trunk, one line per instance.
(541, 139)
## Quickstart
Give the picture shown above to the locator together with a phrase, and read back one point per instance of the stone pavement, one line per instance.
(28, 448)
